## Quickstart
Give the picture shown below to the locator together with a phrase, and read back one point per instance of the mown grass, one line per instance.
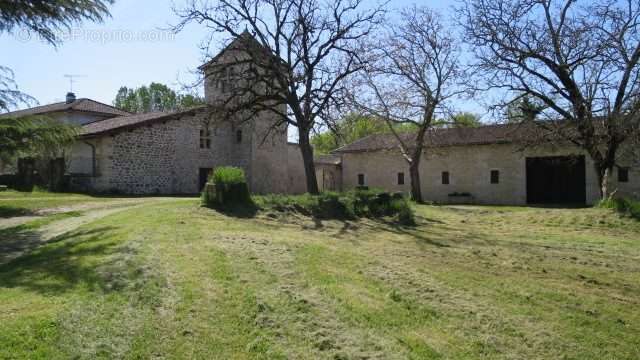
(174, 280)
(18, 203)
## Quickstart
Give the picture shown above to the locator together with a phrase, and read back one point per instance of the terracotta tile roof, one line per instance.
(131, 121)
(489, 134)
(86, 105)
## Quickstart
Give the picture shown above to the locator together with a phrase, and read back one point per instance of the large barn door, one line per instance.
(556, 180)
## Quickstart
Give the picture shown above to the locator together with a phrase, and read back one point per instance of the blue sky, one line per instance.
(129, 49)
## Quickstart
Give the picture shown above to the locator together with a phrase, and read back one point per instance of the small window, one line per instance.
(445, 178)
(361, 179)
(495, 176)
(205, 138)
(238, 136)
(400, 178)
(623, 175)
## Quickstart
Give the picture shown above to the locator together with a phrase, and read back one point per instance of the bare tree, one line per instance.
(415, 72)
(581, 60)
(311, 48)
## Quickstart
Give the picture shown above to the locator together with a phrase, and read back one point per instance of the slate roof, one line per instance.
(483, 135)
(83, 104)
(132, 121)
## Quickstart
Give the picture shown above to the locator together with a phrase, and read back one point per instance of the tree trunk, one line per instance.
(414, 173)
(309, 166)
(604, 174)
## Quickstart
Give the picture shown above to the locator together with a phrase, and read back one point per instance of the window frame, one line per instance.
(205, 138)
(400, 178)
(238, 136)
(494, 177)
(623, 174)
(445, 178)
(362, 177)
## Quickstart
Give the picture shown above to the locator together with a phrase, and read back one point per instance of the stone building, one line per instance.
(173, 153)
(484, 165)
(73, 111)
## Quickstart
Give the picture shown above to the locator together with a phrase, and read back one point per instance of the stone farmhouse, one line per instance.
(172, 153)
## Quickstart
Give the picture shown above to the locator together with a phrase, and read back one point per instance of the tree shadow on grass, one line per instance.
(66, 262)
(241, 211)
(13, 211)
(411, 231)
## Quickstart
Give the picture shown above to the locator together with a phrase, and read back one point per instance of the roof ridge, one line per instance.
(355, 142)
(132, 120)
(101, 103)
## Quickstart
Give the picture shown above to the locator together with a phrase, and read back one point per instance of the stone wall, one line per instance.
(166, 158)
(469, 170)
(295, 167)
(269, 156)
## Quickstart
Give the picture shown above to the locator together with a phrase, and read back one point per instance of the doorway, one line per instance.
(204, 176)
(556, 180)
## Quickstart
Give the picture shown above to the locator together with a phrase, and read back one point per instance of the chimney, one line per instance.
(71, 97)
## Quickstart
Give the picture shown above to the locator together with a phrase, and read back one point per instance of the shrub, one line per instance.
(405, 213)
(229, 188)
(624, 206)
(227, 175)
(332, 206)
(349, 205)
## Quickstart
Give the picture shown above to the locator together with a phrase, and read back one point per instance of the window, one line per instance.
(495, 176)
(231, 78)
(223, 85)
(361, 179)
(623, 175)
(400, 178)
(445, 178)
(238, 136)
(205, 138)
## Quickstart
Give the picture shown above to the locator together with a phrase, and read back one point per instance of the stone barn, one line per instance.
(485, 165)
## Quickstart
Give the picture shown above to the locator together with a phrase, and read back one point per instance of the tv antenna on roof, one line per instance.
(71, 78)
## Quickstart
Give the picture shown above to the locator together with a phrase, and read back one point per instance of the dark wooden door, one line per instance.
(204, 175)
(556, 180)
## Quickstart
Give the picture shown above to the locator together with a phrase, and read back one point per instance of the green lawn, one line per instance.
(16, 203)
(173, 280)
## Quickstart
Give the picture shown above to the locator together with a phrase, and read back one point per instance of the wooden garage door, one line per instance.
(556, 180)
